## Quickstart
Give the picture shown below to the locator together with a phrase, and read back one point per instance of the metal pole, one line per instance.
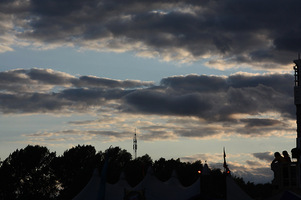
(297, 100)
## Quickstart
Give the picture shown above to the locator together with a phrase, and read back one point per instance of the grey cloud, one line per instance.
(270, 80)
(13, 81)
(219, 100)
(92, 96)
(216, 98)
(261, 122)
(154, 102)
(32, 103)
(115, 134)
(44, 90)
(258, 126)
(59, 135)
(195, 83)
(86, 122)
(91, 81)
(252, 100)
(26, 80)
(249, 32)
(212, 99)
(33, 80)
(204, 83)
(265, 156)
(198, 132)
(153, 135)
(252, 163)
(47, 76)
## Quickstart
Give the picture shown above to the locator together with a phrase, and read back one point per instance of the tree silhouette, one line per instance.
(118, 159)
(26, 174)
(188, 172)
(164, 168)
(135, 170)
(35, 173)
(74, 169)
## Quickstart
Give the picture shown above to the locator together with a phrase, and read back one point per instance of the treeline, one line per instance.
(36, 173)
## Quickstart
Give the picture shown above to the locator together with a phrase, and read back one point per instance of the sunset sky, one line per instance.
(191, 77)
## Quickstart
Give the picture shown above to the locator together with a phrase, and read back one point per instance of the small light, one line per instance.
(199, 171)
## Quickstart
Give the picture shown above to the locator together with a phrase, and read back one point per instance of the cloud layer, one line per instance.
(226, 33)
(251, 105)
(199, 107)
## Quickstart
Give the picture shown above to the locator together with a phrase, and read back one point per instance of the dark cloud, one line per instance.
(252, 163)
(47, 76)
(32, 103)
(91, 81)
(197, 132)
(33, 80)
(265, 156)
(92, 96)
(237, 100)
(112, 134)
(270, 80)
(154, 134)
(44, 90)
(26, 80)
(65, 134)
(161, 103)
(196, 83)
(259, 126)
(261, 122)
(265, 34)
(216, 98)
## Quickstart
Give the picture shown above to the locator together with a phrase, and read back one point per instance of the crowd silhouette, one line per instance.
(281, 168)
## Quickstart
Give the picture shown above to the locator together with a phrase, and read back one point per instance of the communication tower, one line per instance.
(135, 144)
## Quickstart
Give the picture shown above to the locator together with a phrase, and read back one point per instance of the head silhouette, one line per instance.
(284, 153)
(277, 154)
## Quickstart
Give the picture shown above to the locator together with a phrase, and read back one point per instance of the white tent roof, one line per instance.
(234, 192)
(153, 188)
(92, 190)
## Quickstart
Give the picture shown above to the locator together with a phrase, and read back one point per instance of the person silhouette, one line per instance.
(278, 158)
(286, 156)
(276, 166)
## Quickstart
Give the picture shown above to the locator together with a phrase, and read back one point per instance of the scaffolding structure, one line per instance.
(296, 152)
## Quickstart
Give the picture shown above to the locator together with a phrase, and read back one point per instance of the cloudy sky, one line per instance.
(191, 77)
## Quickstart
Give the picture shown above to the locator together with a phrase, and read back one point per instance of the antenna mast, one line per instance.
(135, 144)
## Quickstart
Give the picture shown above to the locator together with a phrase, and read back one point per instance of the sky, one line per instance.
(189, 77)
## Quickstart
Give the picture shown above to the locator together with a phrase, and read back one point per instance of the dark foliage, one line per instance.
(135, 170)
(74, 168)
(26, 174)
(256, 191)
(118, 159)
(36, 173)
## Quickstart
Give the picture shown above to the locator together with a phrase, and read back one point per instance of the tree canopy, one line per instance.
(36, 173)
